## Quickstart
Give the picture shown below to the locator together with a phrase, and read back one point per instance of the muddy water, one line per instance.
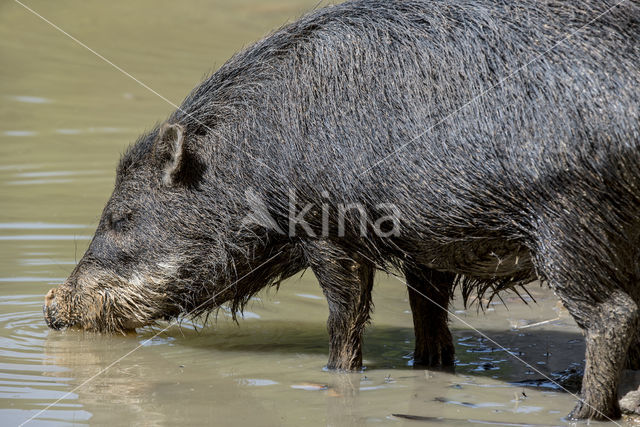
(65, 116)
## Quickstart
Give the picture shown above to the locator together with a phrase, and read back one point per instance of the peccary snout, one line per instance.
(50, 310)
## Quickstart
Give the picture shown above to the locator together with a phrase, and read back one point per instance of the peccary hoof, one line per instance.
(630, 390)
(630, 403)
(429, 364)
(584, 411)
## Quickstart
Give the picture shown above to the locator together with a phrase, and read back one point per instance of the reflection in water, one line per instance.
(123, 386)
(26, 374)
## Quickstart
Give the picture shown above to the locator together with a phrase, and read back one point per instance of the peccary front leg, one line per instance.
(346, 282)
(429, 296)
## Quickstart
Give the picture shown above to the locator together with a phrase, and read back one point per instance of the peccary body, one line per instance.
(484, 143)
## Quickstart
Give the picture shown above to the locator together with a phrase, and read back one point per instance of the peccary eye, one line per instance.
(118, 222)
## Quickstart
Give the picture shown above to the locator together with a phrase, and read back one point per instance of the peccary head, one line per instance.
(159, 249)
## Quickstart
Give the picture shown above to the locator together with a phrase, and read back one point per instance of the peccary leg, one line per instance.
(608, 337)
(595, 288)
(429, 297)
(610, 326)
(633, 356)
(346, 282)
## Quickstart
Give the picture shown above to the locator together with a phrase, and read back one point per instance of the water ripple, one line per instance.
(31, 99)
(46, 237)
(27, 373)
(38, 226)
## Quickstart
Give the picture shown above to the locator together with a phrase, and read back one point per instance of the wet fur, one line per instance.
(539, 178)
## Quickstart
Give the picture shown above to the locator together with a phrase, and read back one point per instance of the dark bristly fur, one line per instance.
(537, 178)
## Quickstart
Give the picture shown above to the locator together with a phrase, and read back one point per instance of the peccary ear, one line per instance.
(179, 163)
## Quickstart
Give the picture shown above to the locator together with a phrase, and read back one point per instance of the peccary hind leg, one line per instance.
(429, 297)
(596, 290)
(633, 356)
(346, 282)
(608, 337)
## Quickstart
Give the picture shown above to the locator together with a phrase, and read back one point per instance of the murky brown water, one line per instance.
(65, 116)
